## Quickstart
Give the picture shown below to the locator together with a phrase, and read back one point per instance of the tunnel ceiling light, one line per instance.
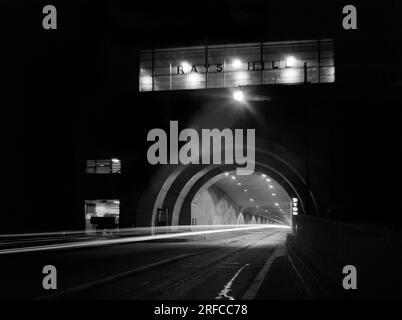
(268, 180)
(236, 63)
(263, 175)
(226, 173)
(251, 199)
(245, 190)
(233, 177)
(271, 186)
(294, 200)
(238, 96)
(239, 184)
(276, 204)
(274, 194)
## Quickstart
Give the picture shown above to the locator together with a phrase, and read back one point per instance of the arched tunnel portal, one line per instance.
(177, 189)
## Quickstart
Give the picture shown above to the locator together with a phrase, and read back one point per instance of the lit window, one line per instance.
(103, 166)
(234, 65)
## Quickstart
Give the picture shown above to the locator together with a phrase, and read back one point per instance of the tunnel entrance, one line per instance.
(179, 191)
(233, 199)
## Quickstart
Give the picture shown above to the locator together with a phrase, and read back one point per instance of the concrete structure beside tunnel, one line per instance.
(174, 187)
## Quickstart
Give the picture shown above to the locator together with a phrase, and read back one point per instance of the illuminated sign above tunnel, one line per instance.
(221, 66)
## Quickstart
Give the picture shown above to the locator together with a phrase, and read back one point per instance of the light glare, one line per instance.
(291, 61)
(236, 63)
(186, 67)
(238, 96)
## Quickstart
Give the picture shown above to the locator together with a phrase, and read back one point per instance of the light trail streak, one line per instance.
(104, 242)
(120, 231)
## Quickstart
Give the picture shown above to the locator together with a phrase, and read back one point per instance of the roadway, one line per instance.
(247, 264)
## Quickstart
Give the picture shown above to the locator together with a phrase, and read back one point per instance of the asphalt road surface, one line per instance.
(242, 265)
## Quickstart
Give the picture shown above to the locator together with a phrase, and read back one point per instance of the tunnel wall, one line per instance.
(215, 206)
(326, 246)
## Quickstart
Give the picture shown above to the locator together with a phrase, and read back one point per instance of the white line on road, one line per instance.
(225, 291)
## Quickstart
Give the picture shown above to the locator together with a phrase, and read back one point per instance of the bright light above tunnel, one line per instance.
(238, 96)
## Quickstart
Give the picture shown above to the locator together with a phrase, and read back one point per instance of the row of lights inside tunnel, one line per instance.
(270, 187)
(294, 200)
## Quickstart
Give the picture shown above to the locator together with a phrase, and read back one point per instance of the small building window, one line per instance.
(103, 166)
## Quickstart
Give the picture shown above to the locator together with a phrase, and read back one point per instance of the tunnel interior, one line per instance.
(217, 195)
(233, 199)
